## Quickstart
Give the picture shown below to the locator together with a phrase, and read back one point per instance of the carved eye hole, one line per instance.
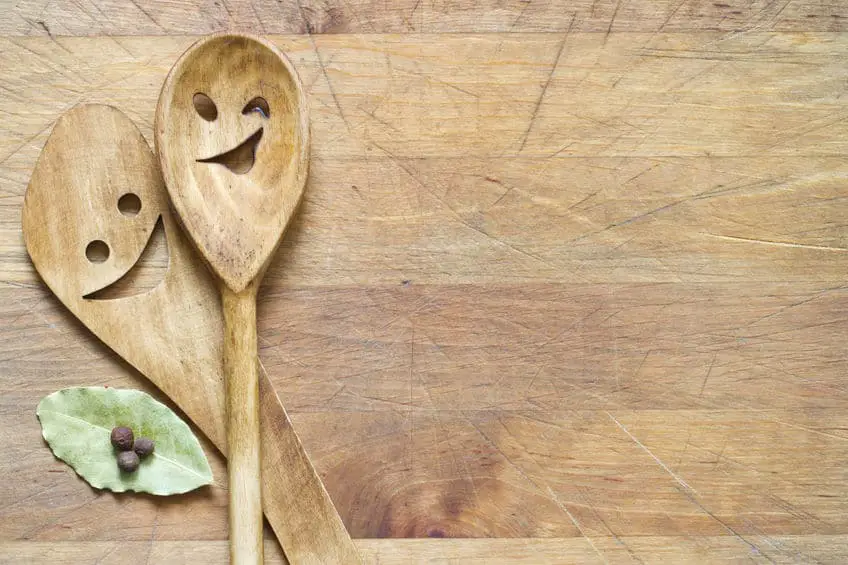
(129, 204)
(205, 107)
(97, 251)
(259, 105)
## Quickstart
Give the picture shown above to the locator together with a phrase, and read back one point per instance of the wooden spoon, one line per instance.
(232, 133)
(171, 330)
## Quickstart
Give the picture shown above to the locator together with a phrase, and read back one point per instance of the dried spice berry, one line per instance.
(122, 438)
(143, 447)
(128, 461)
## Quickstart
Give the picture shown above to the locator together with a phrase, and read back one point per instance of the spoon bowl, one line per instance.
(232, 133)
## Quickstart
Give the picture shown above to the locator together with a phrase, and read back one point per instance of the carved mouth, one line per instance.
(239, 159)
(144, 275)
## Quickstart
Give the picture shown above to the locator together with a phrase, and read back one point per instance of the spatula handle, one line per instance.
(241, 371)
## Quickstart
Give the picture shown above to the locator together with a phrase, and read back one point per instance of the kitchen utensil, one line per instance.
(232, 134)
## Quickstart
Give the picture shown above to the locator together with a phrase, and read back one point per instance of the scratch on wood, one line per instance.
(33, 532)
(806, 429)
(146, 13)
(726, 526)
(783, 309)
(520, 15)
(671, 15)
(805, 130)
(545, 86)
(258, 19)
(103, 16)
(780, 11)
(456, 214)
(120, 45)
(636, 176)
(642, 363)
(374, 117)
(536, 483)
(501, 197)
(20, 285)
(81, 9)
(103, 557)
(775, 243)
(57, 67)
(408, 20)
(707, 376)
(674, 475)
(594, 5)
(308, 27)
(152, 537)
(329, 82)
(583, 200)
(685, 448)
(24, 144)
(600, 518)
(612, 21)
(705, 195)
(628, 220)
(720, 455)
(561, 149)
(50, 35)
(439, 81)
(577, 525)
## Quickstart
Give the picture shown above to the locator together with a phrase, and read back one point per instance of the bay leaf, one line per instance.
(77, 422)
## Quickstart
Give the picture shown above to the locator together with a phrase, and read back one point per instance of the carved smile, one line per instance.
(239, 159)
(144, 275)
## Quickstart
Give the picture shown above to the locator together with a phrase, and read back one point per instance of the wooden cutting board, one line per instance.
(587, 297)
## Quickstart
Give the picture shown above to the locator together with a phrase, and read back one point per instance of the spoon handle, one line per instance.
(241, 372)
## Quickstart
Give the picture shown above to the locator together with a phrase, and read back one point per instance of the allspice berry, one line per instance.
(122, 438)
(143, 447)
(128, 461)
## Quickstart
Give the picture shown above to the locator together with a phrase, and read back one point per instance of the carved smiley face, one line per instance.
(239, 159)
(88, 221)
(233, 109)
(231, 133)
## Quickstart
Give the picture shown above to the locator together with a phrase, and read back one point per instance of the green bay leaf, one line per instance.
(77, 422)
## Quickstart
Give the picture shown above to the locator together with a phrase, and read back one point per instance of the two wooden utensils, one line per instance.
(232, 137)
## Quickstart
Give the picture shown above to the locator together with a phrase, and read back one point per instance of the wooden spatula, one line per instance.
(232, 134)
(95, 160)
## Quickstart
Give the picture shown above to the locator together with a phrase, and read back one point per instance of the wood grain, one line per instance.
(556, 551)
(531, 95)
(176, 17)
(659, 211)
(244, 445)
(588, 291)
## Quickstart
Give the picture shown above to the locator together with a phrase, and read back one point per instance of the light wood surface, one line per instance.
(244, 474)
(232, 137)
(553, 551)
(588, 290)
(174, 17)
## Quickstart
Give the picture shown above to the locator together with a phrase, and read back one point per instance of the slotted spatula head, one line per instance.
(232, 133)
(76, 231)
(170, 327)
